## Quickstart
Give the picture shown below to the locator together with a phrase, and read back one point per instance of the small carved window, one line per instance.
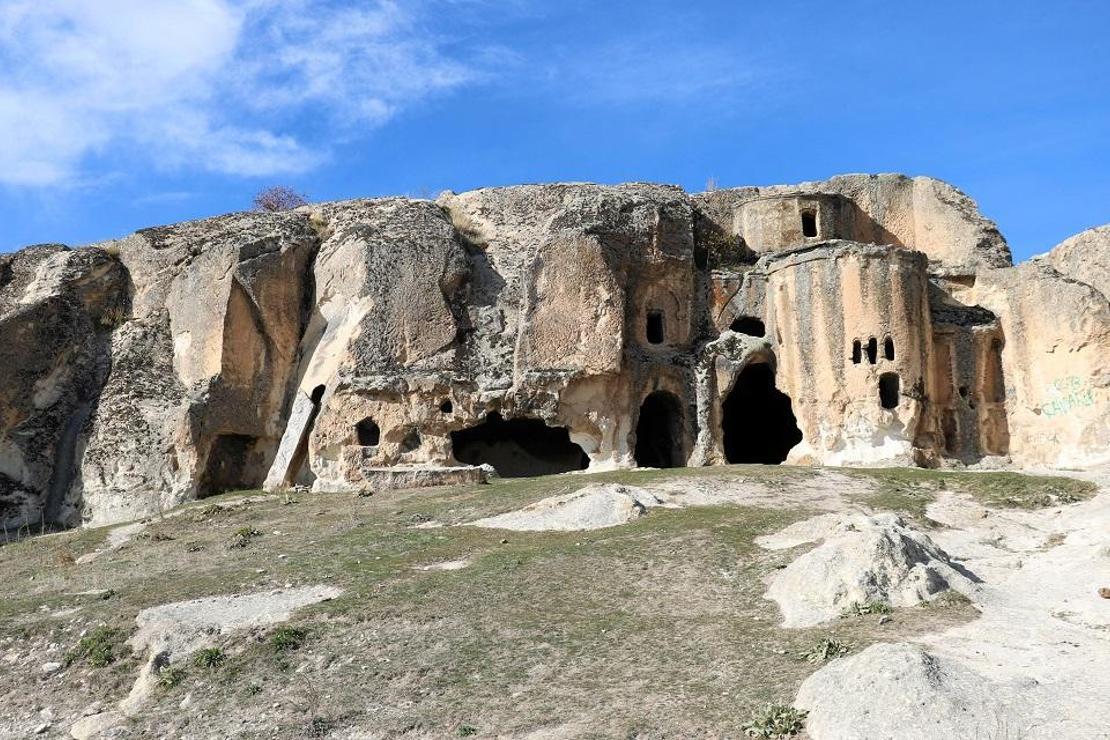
(857, 352)
(368, 432)
(872, 350)
(809, 223)
(655, 327)
(888, 348)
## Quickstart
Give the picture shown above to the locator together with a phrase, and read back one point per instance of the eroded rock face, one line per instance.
(195, 401)
(1084, 257)
(538, 329)
(1055, 370)
(57, 310)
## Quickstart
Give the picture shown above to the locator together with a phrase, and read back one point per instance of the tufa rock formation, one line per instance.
(539, 329)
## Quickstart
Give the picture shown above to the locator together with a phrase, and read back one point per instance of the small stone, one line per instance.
(41, 729)
(1104, 592)
(51, 667)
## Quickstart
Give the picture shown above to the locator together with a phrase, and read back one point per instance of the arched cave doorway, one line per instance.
(659, 432)
(757, 419)
(518, 448)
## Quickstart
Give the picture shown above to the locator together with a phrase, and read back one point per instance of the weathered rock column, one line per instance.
(851, 329)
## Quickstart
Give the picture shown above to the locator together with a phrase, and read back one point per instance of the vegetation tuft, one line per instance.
(211, 657)
(99, 648)
(775, 721)
(170, 676)
(863, 608)
(243, 536)
(827, 649)
(284, 639)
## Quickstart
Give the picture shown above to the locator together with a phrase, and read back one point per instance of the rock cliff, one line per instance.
(538, 329)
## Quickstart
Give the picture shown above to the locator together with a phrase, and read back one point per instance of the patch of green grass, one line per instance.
(243, 536)
(284, 639)
(827, 649)
(910, 490)
(99, 648)
(211, 657)
(170, 676)
(466, 731)
(775, 721)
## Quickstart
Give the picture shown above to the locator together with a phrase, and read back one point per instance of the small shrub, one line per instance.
(860, 609)
(253, 689)
(99, 648)
(467, 731)
(284, 639)
(278, 198)
(170, 676)
(243, 536)
(209, 658)
(826, 650)
(319, 727)
(775, 721)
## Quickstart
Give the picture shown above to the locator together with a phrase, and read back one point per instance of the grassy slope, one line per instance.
(654, 629)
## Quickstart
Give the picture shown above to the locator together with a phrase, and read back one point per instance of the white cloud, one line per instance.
(217, 85)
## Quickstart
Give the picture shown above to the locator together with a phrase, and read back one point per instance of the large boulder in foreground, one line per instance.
(901, 692)
(861, 559)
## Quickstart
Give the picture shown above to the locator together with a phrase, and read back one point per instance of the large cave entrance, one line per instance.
(757, 419)
(234, 464)
(518, 448)
(659, 432)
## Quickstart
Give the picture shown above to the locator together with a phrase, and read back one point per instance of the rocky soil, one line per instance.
(638, 604)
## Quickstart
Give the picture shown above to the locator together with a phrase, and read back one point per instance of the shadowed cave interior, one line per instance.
(757, 419)
(518, 448)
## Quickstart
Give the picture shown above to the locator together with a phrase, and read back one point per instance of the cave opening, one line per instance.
(234, 464)
(757, 419)
(889, 390)
(888, 348)
(368, 432)
(659, 432)
(857, 352)
(749, 325)
(518, 448)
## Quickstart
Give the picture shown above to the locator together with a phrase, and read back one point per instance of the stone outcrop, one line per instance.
(861, 560)
(539, 329)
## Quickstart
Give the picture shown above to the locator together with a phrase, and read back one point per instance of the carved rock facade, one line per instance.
(539, 329)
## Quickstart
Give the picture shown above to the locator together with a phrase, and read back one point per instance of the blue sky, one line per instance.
(121, 114)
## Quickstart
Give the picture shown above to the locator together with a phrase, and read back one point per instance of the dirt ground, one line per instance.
(657, 628)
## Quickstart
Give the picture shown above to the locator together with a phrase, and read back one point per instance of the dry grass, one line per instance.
(653, 629)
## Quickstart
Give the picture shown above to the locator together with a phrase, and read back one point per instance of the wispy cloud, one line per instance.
(215, 85)
(652, 68)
